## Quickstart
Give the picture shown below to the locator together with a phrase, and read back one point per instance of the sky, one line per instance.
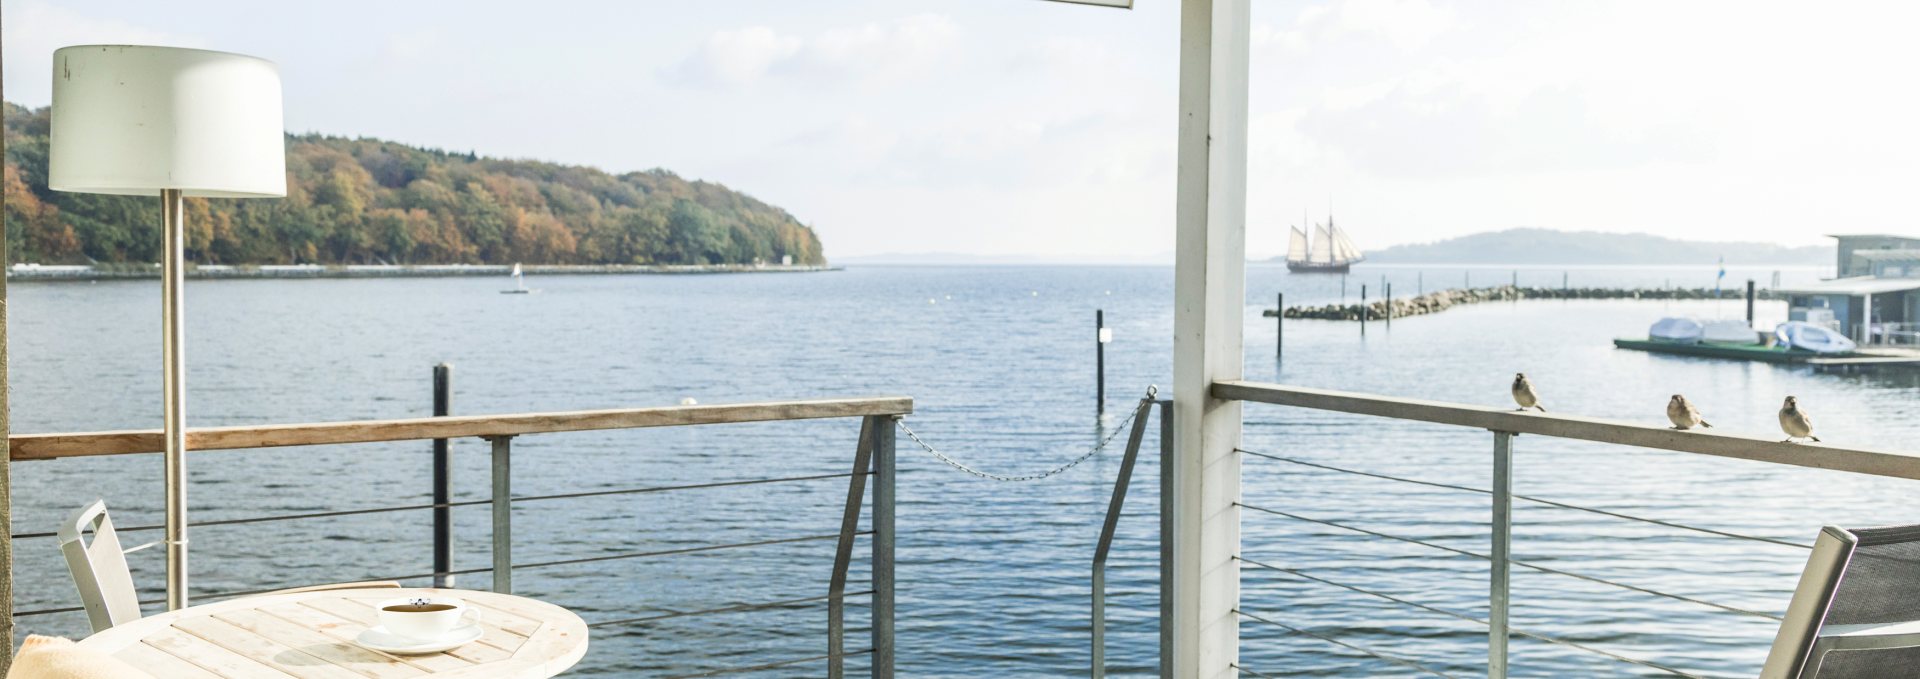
(1022, 127)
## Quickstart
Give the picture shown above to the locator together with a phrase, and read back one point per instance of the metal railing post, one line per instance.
(502, 513)
(1498, 600)
(883, 543)
(1166, 539)
(1114, 505)
(843, 554)
(442, 479)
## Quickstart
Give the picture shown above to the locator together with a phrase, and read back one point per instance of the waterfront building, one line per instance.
(1875, 297)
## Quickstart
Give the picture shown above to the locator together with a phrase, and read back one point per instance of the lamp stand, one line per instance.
(173, 277)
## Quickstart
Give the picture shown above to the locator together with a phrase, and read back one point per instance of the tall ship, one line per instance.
(1330, 251)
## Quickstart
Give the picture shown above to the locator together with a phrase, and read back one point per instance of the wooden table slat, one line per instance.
(501, 639)
(347, 630)
(312, 642)
(342, 608)
(281, 656)
(162, 664)
(210, 657)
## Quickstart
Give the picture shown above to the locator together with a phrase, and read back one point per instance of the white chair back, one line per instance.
(99, 569)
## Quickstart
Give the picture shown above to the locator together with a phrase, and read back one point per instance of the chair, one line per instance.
(100, 569)
(1856, 612)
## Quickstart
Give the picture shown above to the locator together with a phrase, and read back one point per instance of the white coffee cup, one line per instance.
(425, 625)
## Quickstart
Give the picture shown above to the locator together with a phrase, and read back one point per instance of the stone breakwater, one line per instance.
(1437, 302)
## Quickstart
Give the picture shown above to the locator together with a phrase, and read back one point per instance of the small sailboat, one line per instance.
(1330, 251)
(520, 283)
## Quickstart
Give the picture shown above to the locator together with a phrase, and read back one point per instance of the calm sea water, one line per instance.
(993, 576)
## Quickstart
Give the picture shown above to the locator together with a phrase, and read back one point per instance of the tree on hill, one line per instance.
(364, 201)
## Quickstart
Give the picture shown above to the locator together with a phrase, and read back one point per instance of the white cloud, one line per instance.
(35, 29)
(736, 58)
(875, 56)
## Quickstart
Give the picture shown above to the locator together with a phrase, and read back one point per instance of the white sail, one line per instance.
(1322, 245)
(1297, 247)
(516, 269)
(1343, 247)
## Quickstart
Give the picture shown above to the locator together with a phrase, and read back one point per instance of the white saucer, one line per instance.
(378, 638)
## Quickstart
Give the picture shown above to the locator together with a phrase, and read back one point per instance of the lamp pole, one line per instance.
(173, 345)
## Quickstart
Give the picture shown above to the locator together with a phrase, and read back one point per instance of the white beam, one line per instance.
(1209, 298)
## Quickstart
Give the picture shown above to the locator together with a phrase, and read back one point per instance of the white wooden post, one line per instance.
(1210, 301)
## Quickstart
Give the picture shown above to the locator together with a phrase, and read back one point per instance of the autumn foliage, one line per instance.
(365, 201)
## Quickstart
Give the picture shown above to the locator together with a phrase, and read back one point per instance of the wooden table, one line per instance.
(309, 635)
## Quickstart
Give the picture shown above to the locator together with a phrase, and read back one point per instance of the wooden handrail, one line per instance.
(50, 446)
(1873, 461)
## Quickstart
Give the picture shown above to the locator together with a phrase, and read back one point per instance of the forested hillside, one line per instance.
(365, 201)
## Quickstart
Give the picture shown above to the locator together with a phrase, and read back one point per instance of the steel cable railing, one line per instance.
(470, 503)
(1522, 564)
(783, 663)
(1534, 635)
(470, 571)
(1518, 496)
(1337, 642)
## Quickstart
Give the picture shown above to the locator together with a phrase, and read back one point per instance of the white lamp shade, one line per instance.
(132, 120)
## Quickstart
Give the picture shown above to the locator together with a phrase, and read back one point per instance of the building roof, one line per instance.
(1871, 235)
(1900, 255)
(1858, 285)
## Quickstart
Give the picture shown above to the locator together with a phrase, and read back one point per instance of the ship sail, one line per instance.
(1322, 245)
(1343, 248)
(1297, 248)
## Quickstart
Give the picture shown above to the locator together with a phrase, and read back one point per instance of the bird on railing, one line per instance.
(1524, 394)
(1683, 414)
(1795, 422)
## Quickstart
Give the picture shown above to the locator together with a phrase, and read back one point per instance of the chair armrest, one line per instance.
(1866, 637)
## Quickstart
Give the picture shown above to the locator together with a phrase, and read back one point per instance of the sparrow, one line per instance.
(1524, 394)
(1683, 414)
(1795, 421)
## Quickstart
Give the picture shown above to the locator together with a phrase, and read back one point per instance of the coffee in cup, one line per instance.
(424, 619)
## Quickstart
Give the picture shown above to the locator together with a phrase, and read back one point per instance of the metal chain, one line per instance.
(1122, 426)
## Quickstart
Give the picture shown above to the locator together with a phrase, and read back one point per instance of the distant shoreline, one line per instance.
(33, 272)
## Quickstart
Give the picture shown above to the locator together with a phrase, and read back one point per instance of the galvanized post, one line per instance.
(1280, 325)
(1100, 361)
(442, 479)
(1501, 578)
(502, 513)
(1166, 539)
(883, 543)
(843, 552)
(1363, 308)
(1749, 302)
(1114, 505)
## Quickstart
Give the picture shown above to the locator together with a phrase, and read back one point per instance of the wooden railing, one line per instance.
(1858, 460)
(52, 446)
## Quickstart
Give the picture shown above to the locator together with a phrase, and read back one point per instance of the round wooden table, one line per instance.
(309, 635)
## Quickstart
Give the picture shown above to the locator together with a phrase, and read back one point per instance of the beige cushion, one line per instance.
(59, 658)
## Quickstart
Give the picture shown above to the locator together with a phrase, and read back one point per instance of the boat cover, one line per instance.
(1729, 332)
(1683, 330)
(1814, 337)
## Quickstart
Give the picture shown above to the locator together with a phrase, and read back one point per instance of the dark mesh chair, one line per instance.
(1856, 613)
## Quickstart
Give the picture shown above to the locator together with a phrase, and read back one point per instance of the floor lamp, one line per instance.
(177, 123)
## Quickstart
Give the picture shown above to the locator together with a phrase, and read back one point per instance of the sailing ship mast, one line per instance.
(1329, 250)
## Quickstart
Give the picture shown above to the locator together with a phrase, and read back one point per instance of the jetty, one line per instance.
(1436, 302)
(97, 272)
